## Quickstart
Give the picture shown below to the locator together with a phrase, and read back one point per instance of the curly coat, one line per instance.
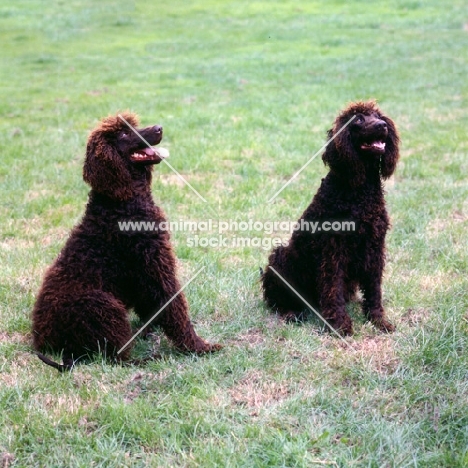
(327, 268)
(102, 272)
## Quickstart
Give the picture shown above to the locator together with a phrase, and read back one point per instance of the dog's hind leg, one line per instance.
(158, 287)
(91, 322)
(177, 325)
(175, 321)
(107, 324)
(372, 304)
(279, 297)
(332, 291)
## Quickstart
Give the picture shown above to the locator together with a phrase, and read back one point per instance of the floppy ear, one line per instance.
(104, 170)
(389, 160)
(342, 159)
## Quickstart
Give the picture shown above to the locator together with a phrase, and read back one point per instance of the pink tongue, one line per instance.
(148, 151)
(376, 144)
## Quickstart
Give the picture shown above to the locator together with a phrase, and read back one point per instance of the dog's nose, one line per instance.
(158, 129)
(380, 126)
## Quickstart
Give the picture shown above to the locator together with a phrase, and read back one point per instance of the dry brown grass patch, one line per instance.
(56, 405)
(17, 338)
(17, 369)
(251, 338)
(439, 225)
(377, 352)
(6, 459)
(256, 391)
(137, 384)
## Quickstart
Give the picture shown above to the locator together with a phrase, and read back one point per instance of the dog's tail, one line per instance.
(60, 367)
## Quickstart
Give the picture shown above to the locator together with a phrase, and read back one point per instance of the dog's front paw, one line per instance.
(201, 347)
(215, 347)
(343, 327)
(206, 347)
(384, 325)
(345, 330)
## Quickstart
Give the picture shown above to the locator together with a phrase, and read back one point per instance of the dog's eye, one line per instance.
(359, 119)
(124, 135)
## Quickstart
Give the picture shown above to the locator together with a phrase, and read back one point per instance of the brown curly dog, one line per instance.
(328, 267)
(102, 272)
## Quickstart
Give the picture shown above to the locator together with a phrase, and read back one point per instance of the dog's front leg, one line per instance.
(332, 296)
(371, 285)
(176, 323)
(158, 288)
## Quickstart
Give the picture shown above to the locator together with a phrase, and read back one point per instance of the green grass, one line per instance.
(245, 91)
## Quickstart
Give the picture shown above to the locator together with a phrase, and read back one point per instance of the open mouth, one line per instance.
(377, 146)
(149, 155)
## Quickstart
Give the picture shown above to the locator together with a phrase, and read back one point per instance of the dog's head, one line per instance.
(118, 154)
(363, 137)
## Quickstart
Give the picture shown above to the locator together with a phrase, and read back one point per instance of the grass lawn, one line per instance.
(245, 91)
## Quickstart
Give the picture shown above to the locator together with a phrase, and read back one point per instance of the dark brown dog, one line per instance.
(327, 268)
(102, 272)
